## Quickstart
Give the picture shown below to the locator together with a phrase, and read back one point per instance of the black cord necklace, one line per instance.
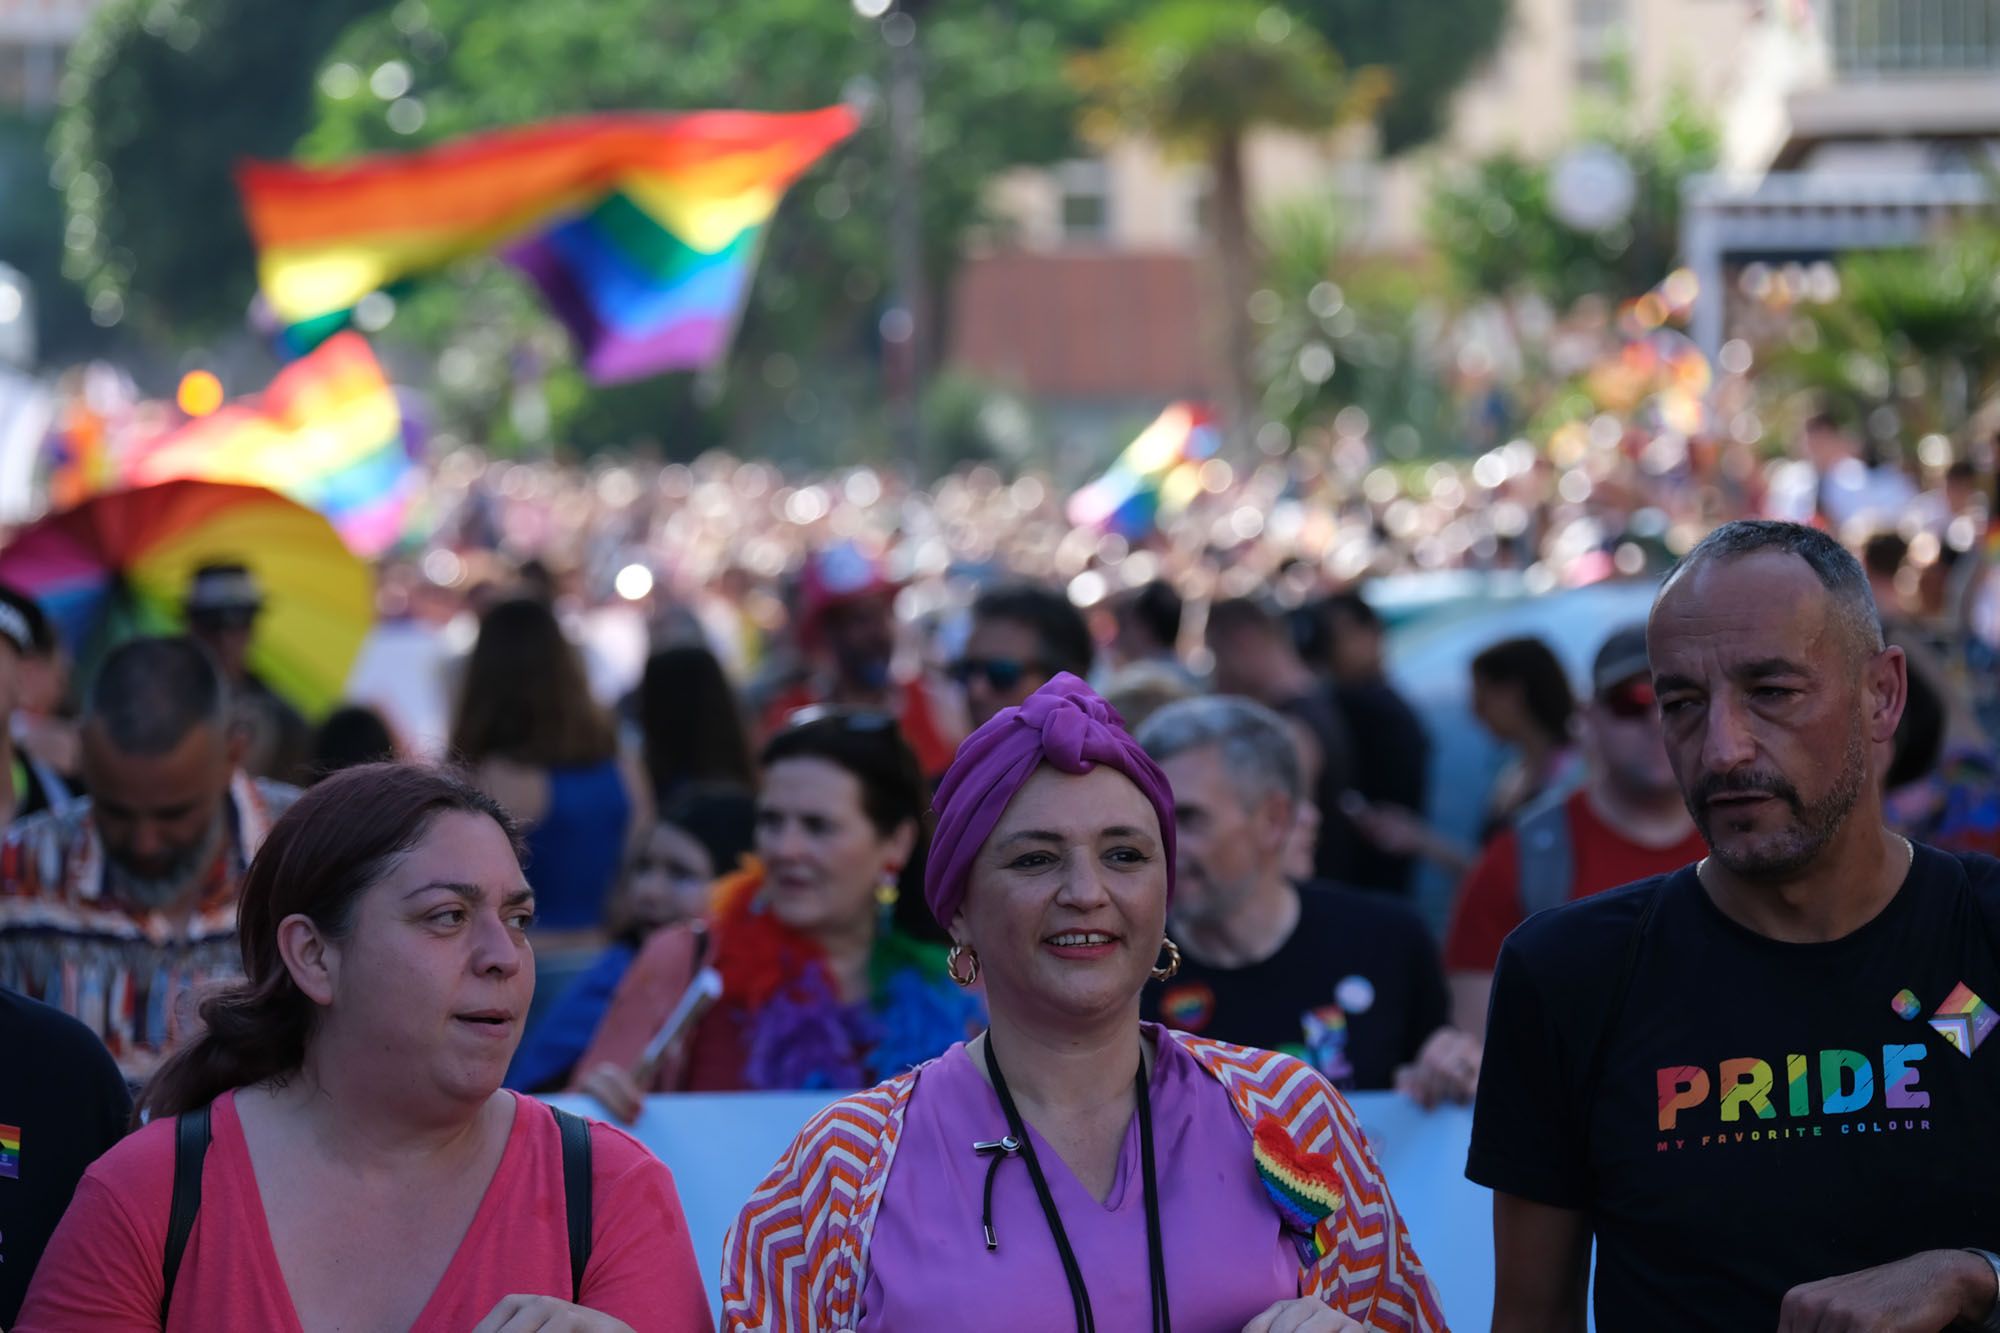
(1017, 1141)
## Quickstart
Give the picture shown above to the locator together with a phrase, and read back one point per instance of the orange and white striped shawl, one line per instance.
(797, 1258)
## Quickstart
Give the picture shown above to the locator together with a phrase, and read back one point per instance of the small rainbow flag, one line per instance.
(79, 457)
(10, 1152)
(328, 432)
(1157, 476)
(641, 229)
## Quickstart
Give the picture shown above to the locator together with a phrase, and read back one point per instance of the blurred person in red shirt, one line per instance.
(847, 632)
(1626, 822)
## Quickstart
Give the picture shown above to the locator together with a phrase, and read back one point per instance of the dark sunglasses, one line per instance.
(999, 673)
(224, 618)
(1631, 701)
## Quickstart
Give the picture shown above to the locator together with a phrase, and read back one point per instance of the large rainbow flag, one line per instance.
(641, 229)
(328, 432)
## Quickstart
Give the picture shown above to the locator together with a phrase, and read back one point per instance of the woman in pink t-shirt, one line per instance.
(366, 1170)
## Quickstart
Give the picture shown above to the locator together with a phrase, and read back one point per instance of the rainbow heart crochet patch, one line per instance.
(1304, 1185)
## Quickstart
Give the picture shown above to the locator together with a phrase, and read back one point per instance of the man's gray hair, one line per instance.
(1832, 564)
(1257, 746)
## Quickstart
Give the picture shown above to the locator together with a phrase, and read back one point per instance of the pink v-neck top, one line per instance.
(101, 1272)
(928, 1266)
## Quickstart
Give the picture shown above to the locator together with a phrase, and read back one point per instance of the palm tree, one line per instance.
(1198, 76)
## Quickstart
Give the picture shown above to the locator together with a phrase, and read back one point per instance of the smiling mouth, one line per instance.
(1081, 939)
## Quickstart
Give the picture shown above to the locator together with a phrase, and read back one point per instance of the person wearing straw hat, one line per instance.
(1016, 1181)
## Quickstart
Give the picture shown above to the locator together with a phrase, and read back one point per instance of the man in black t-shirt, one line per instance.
(1763, 1084)
(62, 1104)
(1349, 982)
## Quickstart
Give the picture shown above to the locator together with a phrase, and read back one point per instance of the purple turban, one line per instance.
(1065, 724)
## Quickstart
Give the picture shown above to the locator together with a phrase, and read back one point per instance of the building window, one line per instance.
(1600, 40)
(1085, 188)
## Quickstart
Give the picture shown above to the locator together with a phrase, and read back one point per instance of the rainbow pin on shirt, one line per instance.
(1302, 1184)
(1964, 1019)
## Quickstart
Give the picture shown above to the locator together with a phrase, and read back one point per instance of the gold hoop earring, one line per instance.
(957, 952)
(1173, 963)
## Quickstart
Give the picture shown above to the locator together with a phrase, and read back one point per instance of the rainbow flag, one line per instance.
(79, 457)
(1158, 475)
(640, 229)
(328, 432)
(10, 1152)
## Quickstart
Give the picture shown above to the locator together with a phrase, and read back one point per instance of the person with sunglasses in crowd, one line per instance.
(846, 636)
(1022, 637)
(222, 607)
(829, 974)
(1626, 821)
(1072, 1163)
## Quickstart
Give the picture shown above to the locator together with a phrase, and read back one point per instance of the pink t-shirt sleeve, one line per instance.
(101, 1271)
(642, 1267)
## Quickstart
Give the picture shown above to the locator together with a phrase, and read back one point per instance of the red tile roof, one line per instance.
(1083, 324)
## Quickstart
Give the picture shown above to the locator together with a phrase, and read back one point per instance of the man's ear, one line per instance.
(1886, 677)
(1275, 817)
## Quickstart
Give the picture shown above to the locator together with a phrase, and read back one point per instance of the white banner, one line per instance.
(720, 1145)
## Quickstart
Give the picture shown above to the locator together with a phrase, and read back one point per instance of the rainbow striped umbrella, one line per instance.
(119, 564)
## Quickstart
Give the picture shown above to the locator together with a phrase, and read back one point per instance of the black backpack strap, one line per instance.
(191, 1135)
(575, 1132)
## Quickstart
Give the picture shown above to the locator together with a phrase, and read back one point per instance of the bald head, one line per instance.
(1850, 604)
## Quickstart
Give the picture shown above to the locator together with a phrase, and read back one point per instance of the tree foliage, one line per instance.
(31, 238)
(995, 96)
(1200, 75)
(160, 100)
(1428, 51)
(1914, 331)
(1497, 228)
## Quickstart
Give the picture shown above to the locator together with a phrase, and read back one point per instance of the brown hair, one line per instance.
(526, 697)
(335, 844)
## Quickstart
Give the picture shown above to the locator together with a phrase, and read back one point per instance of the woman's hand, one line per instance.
(546, 1314)
(1304, 1315)
(616, 1089)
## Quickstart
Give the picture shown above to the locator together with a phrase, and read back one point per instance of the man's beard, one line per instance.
(184, 872)
(1813, 824)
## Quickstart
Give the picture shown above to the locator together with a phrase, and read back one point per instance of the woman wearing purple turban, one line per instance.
(1072, 1165)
